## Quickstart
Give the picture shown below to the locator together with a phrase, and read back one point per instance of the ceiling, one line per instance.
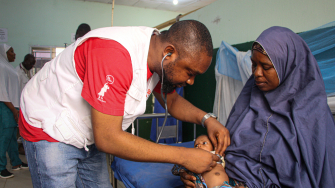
(183, 6)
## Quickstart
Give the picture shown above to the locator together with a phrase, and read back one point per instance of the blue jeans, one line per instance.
(55, 164)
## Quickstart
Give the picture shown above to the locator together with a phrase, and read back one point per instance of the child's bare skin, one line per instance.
(217, 175)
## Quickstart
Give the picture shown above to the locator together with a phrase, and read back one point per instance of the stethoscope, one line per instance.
(164, 99)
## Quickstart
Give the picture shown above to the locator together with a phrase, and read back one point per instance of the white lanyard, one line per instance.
(152, 82)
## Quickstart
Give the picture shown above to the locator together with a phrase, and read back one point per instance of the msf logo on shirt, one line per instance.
(148, 92)
(109, 81)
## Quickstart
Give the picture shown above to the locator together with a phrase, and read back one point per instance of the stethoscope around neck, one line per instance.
(164, 99)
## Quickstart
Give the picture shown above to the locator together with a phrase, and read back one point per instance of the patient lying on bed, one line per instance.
(217, 177)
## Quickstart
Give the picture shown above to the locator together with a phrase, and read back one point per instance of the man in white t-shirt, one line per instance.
(25, 70)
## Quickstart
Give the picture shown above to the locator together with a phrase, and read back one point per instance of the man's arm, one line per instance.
(13, 109)
(183, 110)
(110, 138)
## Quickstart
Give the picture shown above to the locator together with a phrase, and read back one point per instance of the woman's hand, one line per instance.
(187, 179)
(218, 134)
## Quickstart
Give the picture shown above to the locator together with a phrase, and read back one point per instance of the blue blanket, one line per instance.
(145, 175)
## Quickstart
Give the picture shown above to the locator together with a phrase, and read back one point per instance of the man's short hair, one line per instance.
(189, 36)
(82, 30)
(28, 57)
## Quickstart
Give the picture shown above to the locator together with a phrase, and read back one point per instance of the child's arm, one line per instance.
(187, 179)
(176, 169)
(182, 172)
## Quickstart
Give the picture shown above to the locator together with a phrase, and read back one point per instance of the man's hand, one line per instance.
(218, 134)
(187, 179)
(14, 110)
(110, 138)
(198, 160)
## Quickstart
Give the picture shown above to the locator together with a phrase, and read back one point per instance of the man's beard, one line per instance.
(168, 87)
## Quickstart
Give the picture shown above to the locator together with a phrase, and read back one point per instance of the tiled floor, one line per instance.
(21, 177)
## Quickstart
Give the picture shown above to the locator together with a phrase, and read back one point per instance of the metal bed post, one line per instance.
(110, 158)
(150, 116)
(177, 129)
(194, 131)
(137, 128)
(157, 128)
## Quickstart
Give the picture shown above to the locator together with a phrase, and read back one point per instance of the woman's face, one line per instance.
(11, 55)
(264, 72)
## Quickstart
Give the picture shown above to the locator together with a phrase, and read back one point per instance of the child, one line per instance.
(217, 177)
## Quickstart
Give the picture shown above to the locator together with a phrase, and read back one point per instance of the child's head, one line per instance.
(204, 143)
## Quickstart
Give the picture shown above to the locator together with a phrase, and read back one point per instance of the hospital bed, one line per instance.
(130, 174)
(146, 175)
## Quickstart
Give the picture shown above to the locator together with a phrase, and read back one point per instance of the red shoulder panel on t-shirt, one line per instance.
(105, 68)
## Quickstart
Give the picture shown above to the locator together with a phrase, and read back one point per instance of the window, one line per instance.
(44, 55)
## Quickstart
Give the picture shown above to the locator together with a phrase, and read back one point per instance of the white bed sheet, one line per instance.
(331, 104)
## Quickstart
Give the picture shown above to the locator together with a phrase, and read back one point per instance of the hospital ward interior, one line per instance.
(298, 113)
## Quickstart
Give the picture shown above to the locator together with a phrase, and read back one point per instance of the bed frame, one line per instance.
(170, 131)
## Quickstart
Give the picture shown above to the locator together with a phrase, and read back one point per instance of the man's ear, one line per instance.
(169, 50)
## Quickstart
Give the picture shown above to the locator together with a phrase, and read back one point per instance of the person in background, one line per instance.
(82, 30)
(9, 113)
(25, 72)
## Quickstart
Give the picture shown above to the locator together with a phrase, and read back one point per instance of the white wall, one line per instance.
(51, 22)
(238, 21)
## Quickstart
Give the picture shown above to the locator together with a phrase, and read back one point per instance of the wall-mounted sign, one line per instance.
(3, 35)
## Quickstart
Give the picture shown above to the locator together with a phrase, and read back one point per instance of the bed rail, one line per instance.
(170, 131)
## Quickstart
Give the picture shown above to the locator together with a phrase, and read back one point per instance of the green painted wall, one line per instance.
(239, 21)
(51, 22)
(202, 93)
